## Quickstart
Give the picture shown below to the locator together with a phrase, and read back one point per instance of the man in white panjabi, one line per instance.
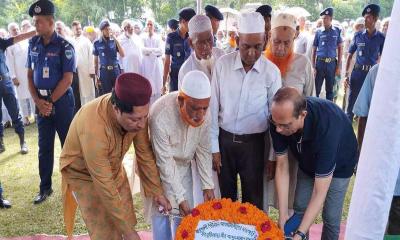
(180, 132)
(16, 60)
(203, 59)
(84, 63)
(296, 71)
(201, 40)
(132, 61)
(243, 85)
(152, 65)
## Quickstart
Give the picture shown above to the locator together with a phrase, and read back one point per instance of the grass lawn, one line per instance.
(19, 176)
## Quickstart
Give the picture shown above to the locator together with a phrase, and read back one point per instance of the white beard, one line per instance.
(207, 63)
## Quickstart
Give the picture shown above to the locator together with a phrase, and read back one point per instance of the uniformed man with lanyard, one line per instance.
(177, 50)
(368, 46)
(51, 63)
(324, 57)
(266, 12)
(105, 51)
(215, 17)
(7, 93)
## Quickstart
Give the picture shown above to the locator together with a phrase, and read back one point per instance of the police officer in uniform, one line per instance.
(105, 51)
(266, 12)
(325, 59)
(177, 50)
(7, 93)
(215, 17)
(368, 46)
(51, 64)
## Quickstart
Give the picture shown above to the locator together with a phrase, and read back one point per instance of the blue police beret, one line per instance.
(328, 11)
(186, 14)
(42, 8)
(214, 12)
(103, 24)
(373, 9)
(173, 23)
(265, 10)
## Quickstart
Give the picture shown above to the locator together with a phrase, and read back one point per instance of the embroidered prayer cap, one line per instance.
(196, 85)
(199, 24)
(283, 19)
(251, 22)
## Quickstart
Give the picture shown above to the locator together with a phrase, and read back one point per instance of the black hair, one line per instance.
(292, 95)
(123, 107)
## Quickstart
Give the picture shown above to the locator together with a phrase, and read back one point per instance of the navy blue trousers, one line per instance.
(325, 71)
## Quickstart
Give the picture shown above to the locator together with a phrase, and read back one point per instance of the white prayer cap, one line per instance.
(360, 21)
(199, 24)
(282, 19)
(196, 85)
(251, 22)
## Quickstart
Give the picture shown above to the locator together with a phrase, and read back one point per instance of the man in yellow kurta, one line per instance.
(91, 161)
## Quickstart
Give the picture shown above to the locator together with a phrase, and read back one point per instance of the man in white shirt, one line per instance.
(16, 60)
(85, 64)
(152, 65)
(132, 60)
(243, 85)
(180, 132)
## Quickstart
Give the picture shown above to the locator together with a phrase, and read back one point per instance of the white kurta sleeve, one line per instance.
(10, 60)
(90, 60)
(309, 87)
(214, 107)
(204, 159)
(166, 164)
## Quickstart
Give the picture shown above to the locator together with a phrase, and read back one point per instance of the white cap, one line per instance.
(196, 85)
(282, 19)
(251, 22)
(360, 21)
(199, 24)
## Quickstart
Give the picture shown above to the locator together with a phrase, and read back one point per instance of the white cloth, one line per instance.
(192, 63)
(379, 162)
(85, 67)
(300, 75)
(240, 101)
(301, 43)
(251, 22)
(282, 19)
(16, 61)
(132, 61)
(152, 67)
(199, 24)
(175, 145)
(196, 84)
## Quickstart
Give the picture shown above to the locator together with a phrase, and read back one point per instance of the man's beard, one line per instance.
(283, 63)
(207, 63)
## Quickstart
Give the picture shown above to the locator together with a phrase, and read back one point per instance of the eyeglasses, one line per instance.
(149, 24)
(281, 126)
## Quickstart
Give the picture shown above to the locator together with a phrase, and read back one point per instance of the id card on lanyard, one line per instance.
(46, 69)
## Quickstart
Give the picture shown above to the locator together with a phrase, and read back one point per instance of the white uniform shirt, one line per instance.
(132, 61)
(192, 63)
(16, 61)
(175, 145)
(240, 101)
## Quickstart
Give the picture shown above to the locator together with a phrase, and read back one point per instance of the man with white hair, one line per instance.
(84, 64)
(180, 132)
(296, 71)
(243, 84)
(26, 26)
(203, 58)
(16, 60)
(132, 60)
(152, 67)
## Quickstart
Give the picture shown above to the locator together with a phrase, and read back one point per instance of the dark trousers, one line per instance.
(356, 81)
(47, 127)
(325, 71)
(7, 94)
(173, 80)
(107, 79)
(75, 89)
(394, 217)
(247, 160)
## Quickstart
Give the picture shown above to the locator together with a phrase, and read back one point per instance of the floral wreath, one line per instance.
(232, 212)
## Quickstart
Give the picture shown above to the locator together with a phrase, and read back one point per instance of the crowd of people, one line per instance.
(202, 106)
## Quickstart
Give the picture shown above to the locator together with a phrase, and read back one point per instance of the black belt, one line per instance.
(109, 67)
(327, 60)
(365, 68)
(241, 138)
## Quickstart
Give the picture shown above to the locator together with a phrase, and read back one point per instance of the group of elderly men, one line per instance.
(191, 144)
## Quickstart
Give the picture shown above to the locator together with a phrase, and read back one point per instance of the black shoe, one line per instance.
(2, 148)
(42, 196)
(4, 203)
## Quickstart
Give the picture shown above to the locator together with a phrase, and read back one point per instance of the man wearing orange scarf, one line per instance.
(296, 71)
(180, 132)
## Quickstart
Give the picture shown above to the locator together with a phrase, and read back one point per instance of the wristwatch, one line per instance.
(301, 234)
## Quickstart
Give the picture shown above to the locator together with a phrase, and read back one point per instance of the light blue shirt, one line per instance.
(363, 102)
